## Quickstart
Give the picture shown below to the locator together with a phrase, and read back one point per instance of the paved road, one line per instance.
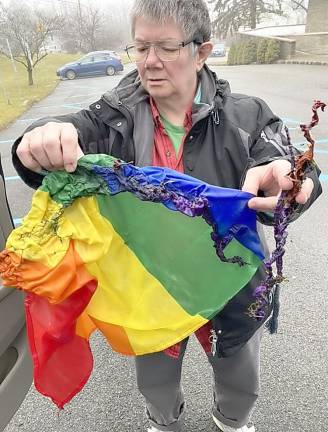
(294, 362)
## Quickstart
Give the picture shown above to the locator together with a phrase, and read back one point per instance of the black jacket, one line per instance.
(230, 134)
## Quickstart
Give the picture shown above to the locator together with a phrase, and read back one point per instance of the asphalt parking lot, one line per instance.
(294, 395)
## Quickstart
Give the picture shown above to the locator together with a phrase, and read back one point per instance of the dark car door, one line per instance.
(102, 61)
(87, 66)
(15, 362)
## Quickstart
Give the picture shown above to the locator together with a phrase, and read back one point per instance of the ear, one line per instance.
(203, 52)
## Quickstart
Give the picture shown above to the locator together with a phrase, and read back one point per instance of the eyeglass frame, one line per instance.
(180, 45)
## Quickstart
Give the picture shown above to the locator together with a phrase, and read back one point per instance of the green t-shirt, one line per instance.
(176, 133)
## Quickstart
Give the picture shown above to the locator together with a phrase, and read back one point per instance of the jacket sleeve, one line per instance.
(93, 137)
(269, 143)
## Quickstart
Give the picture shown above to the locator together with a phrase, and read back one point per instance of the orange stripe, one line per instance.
(56, 284)
(84, 326)
(116, 337)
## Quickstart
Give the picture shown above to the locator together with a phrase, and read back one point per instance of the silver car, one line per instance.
(219, 50)
(15, 362)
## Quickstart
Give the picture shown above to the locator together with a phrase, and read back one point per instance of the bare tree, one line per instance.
(84, 25)
(27, 29)
(92, 25)
(299, 4)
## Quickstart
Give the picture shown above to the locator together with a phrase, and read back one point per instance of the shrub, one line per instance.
(273, 51)
(232, 55)
(249, 52)
(261, 50)
(240, 53)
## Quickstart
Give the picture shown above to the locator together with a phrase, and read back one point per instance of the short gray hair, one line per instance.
(191, 15)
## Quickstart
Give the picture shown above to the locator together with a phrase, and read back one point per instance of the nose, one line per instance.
(152, 58)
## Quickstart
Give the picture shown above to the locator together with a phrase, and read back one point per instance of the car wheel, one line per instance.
(110, 71)
(70, 74)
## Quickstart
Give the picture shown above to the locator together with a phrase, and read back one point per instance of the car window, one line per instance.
(101, 57)
(85, 60)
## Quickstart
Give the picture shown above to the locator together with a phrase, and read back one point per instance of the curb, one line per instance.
(304, 62)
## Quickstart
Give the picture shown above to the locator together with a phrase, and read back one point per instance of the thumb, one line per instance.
(252, 181)
(79, 153)
(70, 167)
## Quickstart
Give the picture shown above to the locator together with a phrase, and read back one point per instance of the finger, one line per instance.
(263, 204)
(305, 192)
(69, 144)
(25, 156)
(37, 150)
(52, 146)
(280, 170)
(252, 181)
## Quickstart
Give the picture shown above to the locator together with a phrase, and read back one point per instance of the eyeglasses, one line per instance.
(166, 51)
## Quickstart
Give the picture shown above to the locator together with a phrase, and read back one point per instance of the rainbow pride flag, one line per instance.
(145, 255)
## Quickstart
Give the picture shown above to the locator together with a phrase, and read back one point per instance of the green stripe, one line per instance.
(179, 252)
(65, 187)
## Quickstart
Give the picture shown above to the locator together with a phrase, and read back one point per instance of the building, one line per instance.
(317, 17)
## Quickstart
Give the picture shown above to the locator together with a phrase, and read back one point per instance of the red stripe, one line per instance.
(62, 360)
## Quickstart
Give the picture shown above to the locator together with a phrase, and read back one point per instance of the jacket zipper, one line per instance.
(216, 116)
(214, 337)
(127, 114)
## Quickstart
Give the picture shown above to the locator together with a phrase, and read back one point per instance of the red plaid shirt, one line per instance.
(164, 155)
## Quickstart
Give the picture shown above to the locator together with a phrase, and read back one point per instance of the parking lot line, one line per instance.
(12, 178)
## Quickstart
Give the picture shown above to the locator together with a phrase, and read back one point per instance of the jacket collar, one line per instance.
(130, 92)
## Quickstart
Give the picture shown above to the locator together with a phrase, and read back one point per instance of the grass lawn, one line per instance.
(15, 93)
(16, 96)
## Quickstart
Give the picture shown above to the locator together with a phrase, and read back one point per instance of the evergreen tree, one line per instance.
(261, 50)
(272, 52)
(232, 55)
(250, 52)
(232, 14)
(240, 53)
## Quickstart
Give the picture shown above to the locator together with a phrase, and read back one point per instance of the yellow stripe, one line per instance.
(127, 294)
(148, 341)
(39, 238)
(45, 239)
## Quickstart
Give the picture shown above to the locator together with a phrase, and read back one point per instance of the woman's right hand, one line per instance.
(53, 146)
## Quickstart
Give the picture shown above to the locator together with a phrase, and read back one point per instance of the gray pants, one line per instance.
(236, 386)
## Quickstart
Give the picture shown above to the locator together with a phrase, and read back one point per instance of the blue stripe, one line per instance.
(6, 141)
(321, 141)
(74, 106)
(12, 178)
(289, 120)
(28, 119)
(18, 221)
(323, 178)
(228, 207)
(86, 87)
(316, 150)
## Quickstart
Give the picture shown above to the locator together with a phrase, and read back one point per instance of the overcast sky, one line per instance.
(121, 7)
